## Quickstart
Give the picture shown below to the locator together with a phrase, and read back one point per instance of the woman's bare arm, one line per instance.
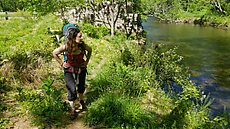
(89, 53)
(56, 53)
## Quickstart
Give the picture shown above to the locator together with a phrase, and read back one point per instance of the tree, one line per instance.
(11, 5)
(111, 13)
(115, 9)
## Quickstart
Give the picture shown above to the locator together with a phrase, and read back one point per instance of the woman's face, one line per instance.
(79, 38)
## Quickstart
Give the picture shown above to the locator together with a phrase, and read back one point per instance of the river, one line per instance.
(206, 51)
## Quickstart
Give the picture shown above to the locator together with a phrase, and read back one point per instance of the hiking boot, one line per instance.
(77, 106)
(83, 106)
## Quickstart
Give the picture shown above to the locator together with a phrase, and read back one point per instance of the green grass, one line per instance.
(115, 111)
(125, 93)
(134, 75)
(26, 36)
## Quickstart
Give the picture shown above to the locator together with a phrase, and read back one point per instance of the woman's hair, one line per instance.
(71, 39)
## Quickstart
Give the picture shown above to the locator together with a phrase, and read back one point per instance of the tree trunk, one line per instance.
(218, 6)
(126, 6)
(7, 16)
(2, 5)
(112, 18)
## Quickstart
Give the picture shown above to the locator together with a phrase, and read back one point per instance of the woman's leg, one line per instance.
(81, 87)
(71, 87)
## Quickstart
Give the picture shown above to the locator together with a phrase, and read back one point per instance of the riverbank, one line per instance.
(204, 20)
(204, 51)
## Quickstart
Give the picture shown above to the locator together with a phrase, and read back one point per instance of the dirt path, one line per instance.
(78, 123)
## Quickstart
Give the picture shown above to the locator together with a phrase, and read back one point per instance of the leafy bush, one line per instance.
(127, 57)
(45, 105)
(3, 85)
(121, 79)
(3, 122)
(116, 111)
(95, 31)
(4, 88)
(103, 31)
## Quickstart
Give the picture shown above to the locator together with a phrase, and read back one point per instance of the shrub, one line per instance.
(95, 31)
(115, 111)
(45, 105)
(3, 122)
(3, 106)
(121, 79)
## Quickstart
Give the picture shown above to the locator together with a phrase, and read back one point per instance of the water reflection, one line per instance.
(206, 51)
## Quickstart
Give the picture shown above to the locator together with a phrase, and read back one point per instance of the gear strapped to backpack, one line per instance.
(66, 29)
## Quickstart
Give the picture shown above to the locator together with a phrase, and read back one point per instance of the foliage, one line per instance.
(128, 74)
(12, 5)
(3, 107)
(188, 10)
(4, 87)
(120, 79)
(25, 49)
(3, 122)
(118, 40)
(118, 111)
(170, 73)
(38, 7)
(195, 6)
(26, 44)
(121, 75)
(25, 40)
(127, 57)
(94, 31)
(45, 105)
(137, 71)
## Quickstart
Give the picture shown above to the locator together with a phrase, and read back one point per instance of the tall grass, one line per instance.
(132, 87)
(138, 74)
(4, 89)
(25, 58)
(25, 46)
(114, 110)
(45, 105)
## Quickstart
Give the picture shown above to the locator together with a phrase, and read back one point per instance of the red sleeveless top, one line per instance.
(76, 59)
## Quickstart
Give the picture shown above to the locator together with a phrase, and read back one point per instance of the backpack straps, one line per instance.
(65, 54)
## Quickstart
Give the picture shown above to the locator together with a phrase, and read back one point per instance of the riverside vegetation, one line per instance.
(203, 12)
(132, 89)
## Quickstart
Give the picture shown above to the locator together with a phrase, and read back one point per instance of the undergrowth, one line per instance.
(45, 105)
(134, 88)
(137, 74)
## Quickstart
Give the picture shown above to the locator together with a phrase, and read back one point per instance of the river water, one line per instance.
(206, 51)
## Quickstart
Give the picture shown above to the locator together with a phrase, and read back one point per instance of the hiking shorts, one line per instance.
(71, 83)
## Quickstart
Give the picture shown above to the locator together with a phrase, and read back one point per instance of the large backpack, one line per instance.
(66, 29)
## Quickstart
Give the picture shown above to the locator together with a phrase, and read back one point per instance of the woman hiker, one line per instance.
(77, 55)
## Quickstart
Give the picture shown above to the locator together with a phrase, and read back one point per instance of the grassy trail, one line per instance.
(18, 117)
(23, 122)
